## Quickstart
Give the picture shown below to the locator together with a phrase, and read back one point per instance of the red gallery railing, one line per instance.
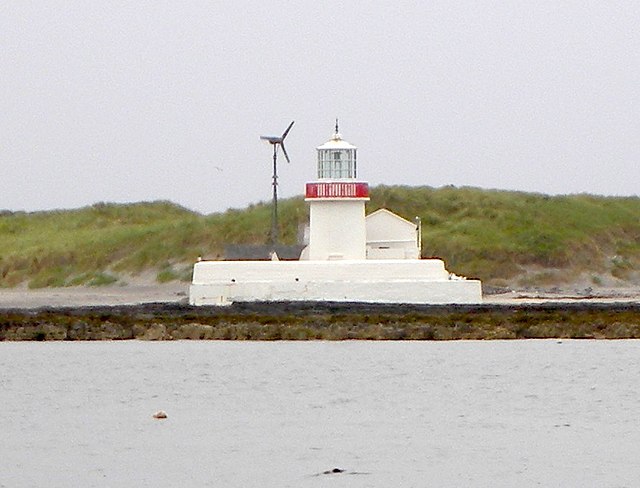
(336, 189)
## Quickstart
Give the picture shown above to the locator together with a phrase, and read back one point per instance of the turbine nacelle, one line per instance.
(279, 140)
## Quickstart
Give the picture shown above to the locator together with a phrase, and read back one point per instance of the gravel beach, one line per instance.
(90, 296)
(178, 293)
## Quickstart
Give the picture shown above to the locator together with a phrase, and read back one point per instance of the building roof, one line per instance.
(383, 213)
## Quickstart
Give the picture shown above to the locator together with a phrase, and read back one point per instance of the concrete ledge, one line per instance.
(205, 272)
(390, 281)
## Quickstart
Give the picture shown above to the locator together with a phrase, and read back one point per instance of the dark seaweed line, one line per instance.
(179, 309)
(324, 321)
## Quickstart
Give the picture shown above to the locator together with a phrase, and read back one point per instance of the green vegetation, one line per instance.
(500, 237)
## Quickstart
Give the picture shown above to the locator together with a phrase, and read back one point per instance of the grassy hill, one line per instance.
(500, 237)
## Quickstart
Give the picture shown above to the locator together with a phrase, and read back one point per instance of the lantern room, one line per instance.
(337, 171)
(337, 159)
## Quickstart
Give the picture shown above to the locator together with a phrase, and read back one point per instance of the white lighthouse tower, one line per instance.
(336, 200)
(349, 258)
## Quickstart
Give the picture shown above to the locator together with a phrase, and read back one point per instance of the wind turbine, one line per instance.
(276, 141)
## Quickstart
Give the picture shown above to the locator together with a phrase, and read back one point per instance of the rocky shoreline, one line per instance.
(323, 321)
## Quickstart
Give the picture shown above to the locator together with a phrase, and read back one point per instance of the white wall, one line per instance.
(394, 281)
(389, 236)
(392, 250)
(383, 225)
(227, 271)
(337, 229)
(428, 292)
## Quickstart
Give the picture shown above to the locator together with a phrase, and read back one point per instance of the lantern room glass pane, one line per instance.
(336, 163)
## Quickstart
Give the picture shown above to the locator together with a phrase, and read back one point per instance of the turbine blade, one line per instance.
(285, 152)
(284, 134)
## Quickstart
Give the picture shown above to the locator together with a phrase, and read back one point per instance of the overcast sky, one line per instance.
(125, 101)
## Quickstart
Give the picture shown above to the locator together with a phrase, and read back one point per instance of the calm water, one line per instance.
(393, 414)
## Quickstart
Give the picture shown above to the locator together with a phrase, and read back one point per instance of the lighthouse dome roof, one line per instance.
(336, 142)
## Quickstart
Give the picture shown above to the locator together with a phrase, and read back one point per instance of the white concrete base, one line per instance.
(424, 281)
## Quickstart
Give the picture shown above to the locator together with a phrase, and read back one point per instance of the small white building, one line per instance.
(349, 258)
(389, 236)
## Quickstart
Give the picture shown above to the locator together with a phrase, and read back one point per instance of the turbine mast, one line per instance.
(276, 141)
(273, 236)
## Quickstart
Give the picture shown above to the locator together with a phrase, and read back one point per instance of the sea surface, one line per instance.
(390, 414)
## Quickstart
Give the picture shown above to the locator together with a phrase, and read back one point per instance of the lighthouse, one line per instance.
(336, 201)
(350, 257)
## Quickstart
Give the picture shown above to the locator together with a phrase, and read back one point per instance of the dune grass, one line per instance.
(492, 235)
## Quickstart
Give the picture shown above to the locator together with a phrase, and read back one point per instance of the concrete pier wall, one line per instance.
(389, 281)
